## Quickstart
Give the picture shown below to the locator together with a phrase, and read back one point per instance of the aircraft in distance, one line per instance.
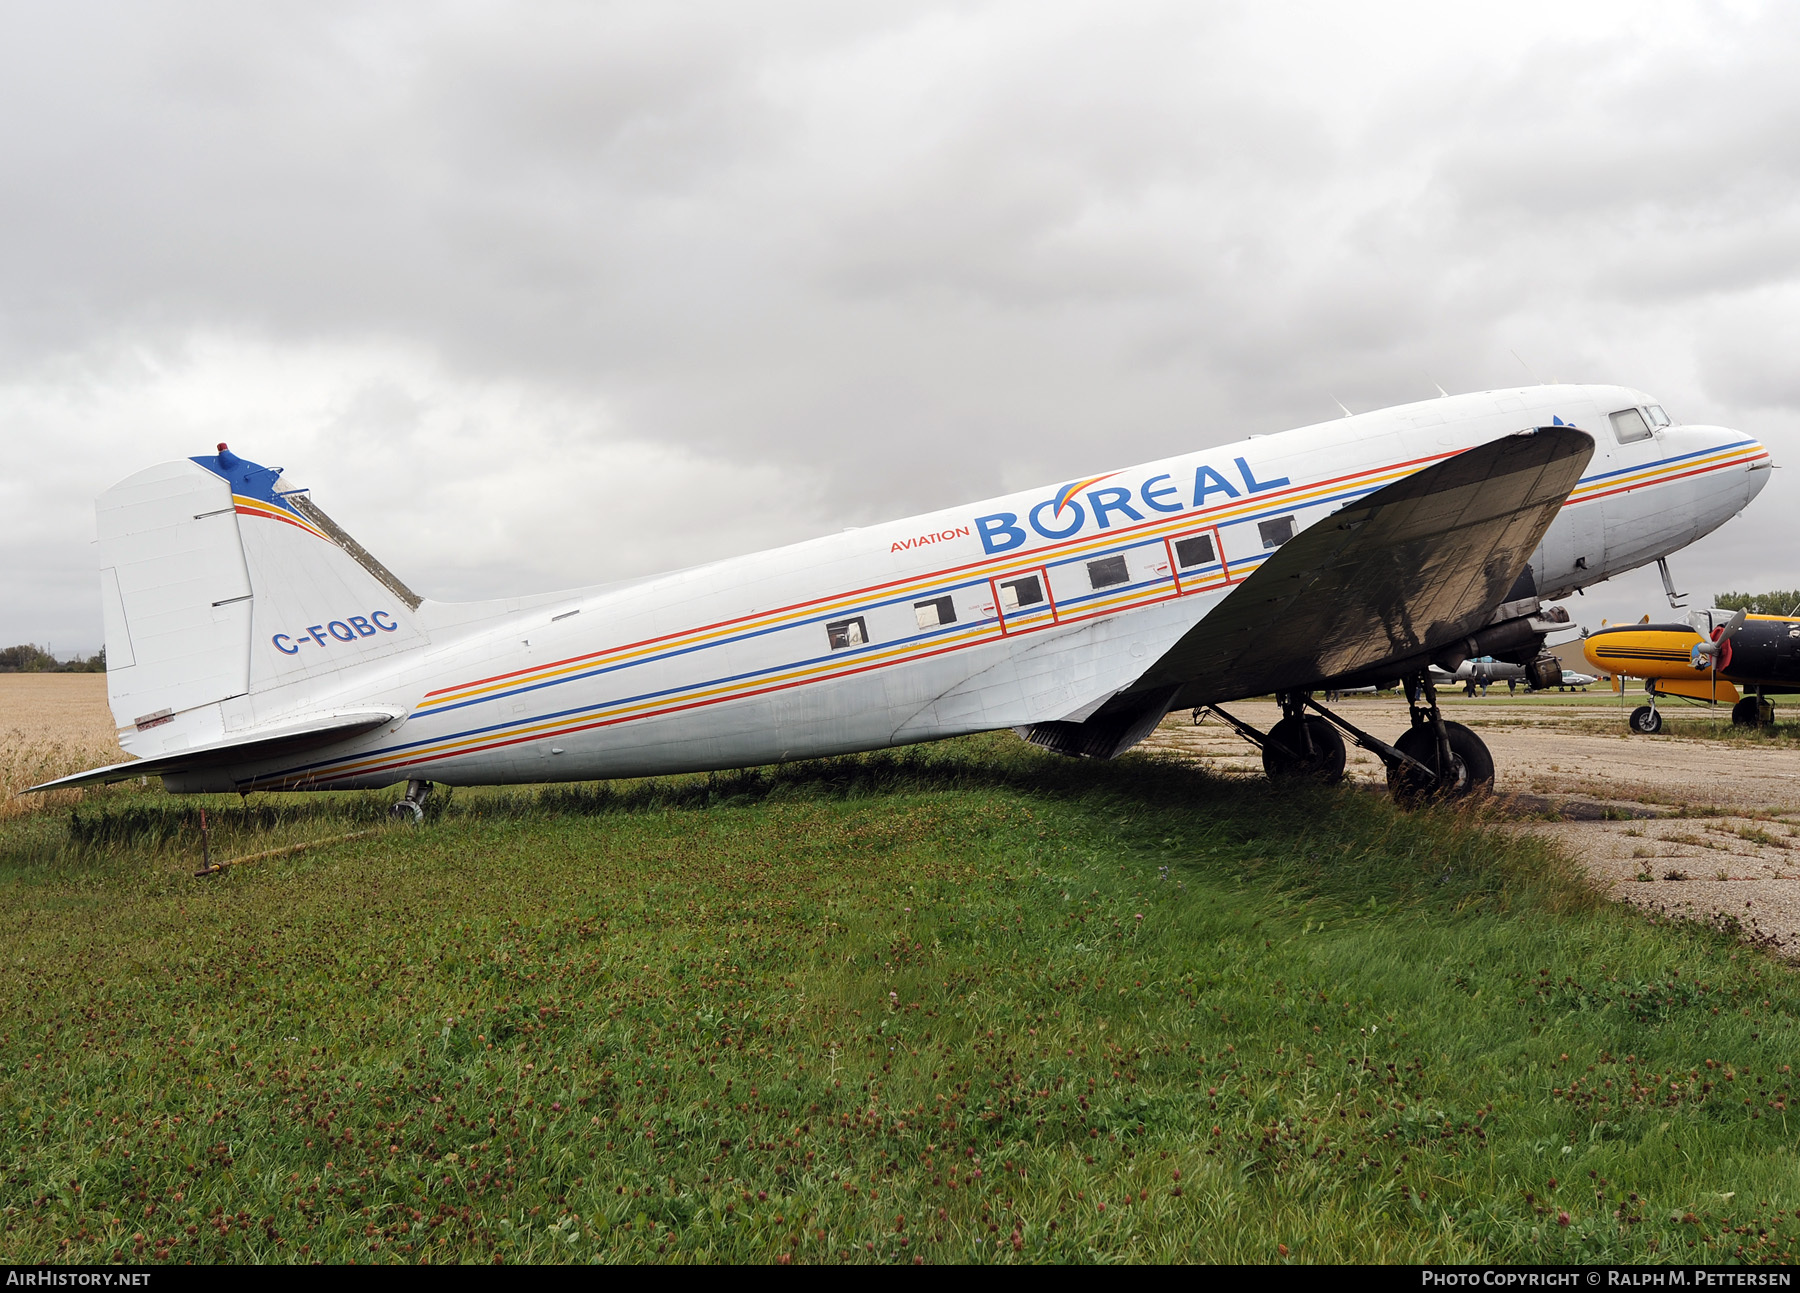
(252, 644)
(1707, 659)
(1480, 673)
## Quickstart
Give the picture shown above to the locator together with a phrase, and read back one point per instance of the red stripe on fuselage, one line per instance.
(988, 560)
(624, 718)
(1664, 480)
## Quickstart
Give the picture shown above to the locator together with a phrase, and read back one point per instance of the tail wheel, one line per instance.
(407, 810)
(1646, 720)
(1324, 764)
(1471, 766)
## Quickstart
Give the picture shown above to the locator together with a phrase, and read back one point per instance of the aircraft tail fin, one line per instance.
(231, 602)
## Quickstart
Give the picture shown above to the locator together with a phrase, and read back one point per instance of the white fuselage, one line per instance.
(927, 627)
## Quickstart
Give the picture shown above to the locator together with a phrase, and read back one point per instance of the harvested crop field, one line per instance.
(51, 724)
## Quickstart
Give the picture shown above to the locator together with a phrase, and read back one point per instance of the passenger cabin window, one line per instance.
(1015, 593)
(1277, 532)
(1197, 551)
(1658, 418)
(1629, 426)
(1107, 571)
(847, 633)
(936, 611)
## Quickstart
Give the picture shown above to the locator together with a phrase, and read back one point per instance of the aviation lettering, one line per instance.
(942, 536)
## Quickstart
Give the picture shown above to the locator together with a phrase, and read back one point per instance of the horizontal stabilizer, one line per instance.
(250, 747)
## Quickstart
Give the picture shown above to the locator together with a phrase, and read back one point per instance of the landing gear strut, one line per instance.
(1435, 759)
(1302, 744)
(1445, 760)
(413, 806)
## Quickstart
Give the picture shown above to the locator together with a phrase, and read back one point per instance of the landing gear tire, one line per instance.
(1471, 766)
(1752, 712)
(1326, 762)
(1645, 719)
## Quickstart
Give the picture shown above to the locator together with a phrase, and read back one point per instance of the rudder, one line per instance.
(231, 601)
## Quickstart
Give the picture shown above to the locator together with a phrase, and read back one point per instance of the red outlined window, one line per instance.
(1023, 599)
(1197, 560)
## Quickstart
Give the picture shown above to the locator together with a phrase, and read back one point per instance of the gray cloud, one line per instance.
(748, 273)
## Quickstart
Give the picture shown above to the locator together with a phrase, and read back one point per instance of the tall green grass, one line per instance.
(964, 1002)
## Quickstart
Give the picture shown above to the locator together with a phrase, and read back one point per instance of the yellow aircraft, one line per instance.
(1707, 659)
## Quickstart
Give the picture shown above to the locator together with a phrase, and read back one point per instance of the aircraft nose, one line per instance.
(1737, 462)
(1758, 467)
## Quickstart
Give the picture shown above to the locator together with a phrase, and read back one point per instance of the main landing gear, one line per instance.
(1303, 745)
(1753, 711)
(1433, 760)
(412, 808)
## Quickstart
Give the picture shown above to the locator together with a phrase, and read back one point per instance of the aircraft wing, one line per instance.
(252, 747)
(1403, 572)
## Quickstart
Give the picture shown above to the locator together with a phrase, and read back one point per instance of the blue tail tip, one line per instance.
(252, 480)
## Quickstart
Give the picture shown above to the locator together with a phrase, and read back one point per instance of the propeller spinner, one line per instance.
(1716, 653)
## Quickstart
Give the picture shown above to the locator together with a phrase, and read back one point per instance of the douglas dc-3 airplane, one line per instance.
(252, 644)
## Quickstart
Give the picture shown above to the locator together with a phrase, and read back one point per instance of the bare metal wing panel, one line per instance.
(1402, 572)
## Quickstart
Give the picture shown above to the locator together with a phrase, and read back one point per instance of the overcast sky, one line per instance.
(539, 295)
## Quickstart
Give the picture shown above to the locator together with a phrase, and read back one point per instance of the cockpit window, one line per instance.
(1629, 426)
(1658, 418)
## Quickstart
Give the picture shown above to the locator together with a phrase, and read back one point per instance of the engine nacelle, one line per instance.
(1514, 637)
(1544, 672)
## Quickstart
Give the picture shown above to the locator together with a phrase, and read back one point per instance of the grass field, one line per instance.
(1698, 724)
(966, 1002)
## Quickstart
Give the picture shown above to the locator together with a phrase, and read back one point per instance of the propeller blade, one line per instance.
(1705, 649)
